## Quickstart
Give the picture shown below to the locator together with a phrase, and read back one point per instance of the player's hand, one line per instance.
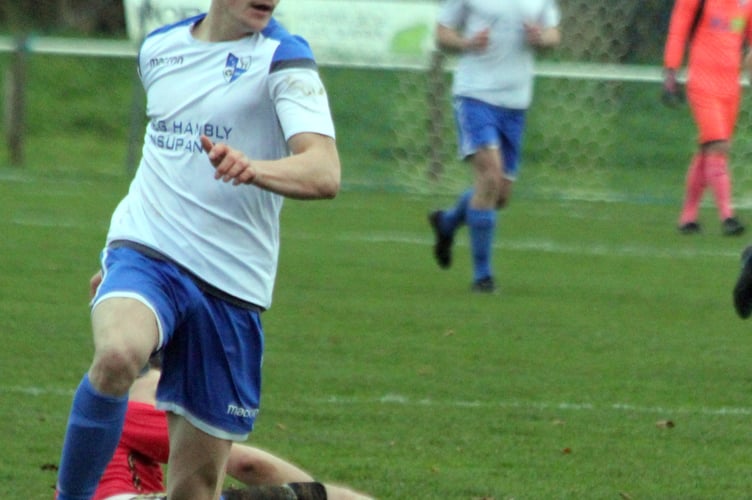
(673, 94)
(743, 287)
(478, 42)
(747, 64)
(229, 164)
(94, 283)
(534, 35)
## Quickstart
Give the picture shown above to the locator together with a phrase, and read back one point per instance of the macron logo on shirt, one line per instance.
(235, 67)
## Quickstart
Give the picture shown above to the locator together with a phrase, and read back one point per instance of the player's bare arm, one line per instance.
(311, 172)
(451, 40)
(542, 37)
(254, 466)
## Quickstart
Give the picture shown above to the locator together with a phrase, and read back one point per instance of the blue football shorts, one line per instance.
(212, 349)
(482, 125)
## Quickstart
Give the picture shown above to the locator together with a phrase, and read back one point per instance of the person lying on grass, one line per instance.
(136, 467)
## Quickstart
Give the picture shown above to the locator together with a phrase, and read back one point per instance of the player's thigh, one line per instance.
(197, 460)
(487, 164)
(138, 298)
(488, 177)
(125, 334)
(125, 325)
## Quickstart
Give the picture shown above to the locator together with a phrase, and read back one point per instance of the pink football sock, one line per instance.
(694, 187)
(718, 178)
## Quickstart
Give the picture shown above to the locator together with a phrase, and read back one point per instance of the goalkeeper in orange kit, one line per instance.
(715, 32)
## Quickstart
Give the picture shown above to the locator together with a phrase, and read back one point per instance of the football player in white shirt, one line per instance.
(238, 120)
(492, 88)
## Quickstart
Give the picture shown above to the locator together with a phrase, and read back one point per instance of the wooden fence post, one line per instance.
(436, 105)
(15, 102)
(136, 126)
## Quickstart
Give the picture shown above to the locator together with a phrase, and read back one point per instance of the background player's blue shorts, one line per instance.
(212, 349)
(480, 125)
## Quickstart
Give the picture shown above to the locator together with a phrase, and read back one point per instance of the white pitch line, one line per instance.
(37, 391)
(545, 246)
(401, 400)
(505, 243)
(518, 245)
(48, 221)
(396, 399)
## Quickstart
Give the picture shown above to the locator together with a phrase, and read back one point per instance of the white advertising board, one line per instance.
(341, 32)
(143, 16)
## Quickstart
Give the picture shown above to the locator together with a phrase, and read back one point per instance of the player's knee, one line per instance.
(716, 147)
(487, 193)
(505, 193)
(503, 199)
(114, 370)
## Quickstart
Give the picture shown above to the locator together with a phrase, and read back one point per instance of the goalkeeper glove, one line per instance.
(673, 94)
(743, 287)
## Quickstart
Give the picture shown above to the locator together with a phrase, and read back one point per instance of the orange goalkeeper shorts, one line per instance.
(714, 115)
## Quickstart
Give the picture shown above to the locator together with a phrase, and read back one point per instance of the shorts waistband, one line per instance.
(203, 285)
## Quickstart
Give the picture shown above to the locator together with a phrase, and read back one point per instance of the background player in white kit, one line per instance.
(238, 119)
(492, 88)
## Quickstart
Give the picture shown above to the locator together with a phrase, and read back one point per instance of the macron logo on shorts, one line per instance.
(237, 411)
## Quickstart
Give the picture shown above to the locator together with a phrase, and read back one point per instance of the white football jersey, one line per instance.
(501, 75)
(252, 94)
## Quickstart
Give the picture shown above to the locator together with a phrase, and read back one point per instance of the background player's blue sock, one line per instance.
(454, 217)
(94, 428)
(482, 225)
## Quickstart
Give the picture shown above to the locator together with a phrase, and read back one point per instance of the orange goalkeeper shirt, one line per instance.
(715, 50)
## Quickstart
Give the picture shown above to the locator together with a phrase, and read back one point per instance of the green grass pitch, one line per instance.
(385, 373)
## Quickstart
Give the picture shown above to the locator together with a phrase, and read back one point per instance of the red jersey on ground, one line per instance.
(144, 446)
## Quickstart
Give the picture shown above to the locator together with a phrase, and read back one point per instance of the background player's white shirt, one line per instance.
(252, 94)
(502, 74)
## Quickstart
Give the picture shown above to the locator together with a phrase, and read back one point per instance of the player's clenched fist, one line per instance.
(229, 164)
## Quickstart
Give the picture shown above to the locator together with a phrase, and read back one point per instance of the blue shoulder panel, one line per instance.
(293, 51)
(168, 27)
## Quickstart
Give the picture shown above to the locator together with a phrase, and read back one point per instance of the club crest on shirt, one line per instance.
(235, 66)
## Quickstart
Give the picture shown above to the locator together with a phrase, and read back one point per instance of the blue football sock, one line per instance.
(456, 216)
(482, 225)
(94, 428)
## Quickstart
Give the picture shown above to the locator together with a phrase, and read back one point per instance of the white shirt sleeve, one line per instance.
(301, 102)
